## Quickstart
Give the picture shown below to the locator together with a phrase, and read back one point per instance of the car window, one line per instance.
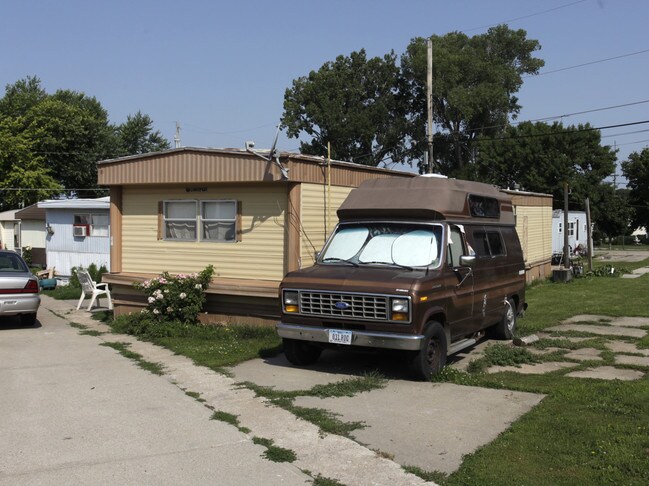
(455, 247)
(12, 263)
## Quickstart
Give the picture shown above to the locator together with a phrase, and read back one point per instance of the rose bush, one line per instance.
(176, 297)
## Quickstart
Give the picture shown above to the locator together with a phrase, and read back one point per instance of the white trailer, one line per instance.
(577, 231)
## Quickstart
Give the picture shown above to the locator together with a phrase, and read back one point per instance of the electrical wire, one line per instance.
(566, 5)
(586, 64)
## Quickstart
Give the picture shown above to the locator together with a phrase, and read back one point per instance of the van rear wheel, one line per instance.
(506, 328)
(301, 353)
(431, 358)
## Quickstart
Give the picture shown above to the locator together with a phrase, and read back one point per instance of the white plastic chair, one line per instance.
(88, 287)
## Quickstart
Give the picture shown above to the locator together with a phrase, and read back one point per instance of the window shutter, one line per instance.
(160, 220)
(238, 224)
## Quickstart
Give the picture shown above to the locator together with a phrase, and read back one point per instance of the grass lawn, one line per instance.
(63, 292)
(585, 431)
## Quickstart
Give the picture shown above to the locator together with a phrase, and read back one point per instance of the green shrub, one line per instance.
(176, 297)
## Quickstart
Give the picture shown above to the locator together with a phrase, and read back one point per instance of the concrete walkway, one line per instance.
(152, 411)
(74, 412)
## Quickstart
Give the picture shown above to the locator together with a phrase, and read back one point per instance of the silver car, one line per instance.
(18, 289)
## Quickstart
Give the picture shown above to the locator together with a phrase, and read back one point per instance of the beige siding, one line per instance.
(534, 227)
(260, 254)
(315, 227)
(32, 233)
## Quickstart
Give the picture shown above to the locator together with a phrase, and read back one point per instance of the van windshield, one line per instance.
(401, 244)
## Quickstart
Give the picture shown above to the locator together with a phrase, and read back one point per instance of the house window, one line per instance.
(180, 220)
(95, 224)
(213, 221)
(571, 228)
(218, 221)
(99, 225)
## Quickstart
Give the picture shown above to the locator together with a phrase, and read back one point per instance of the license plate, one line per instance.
(340, 337)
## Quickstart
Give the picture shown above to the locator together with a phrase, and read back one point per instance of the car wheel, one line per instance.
(28, 320)
(431, 358)
(301, 353)
(506, 328)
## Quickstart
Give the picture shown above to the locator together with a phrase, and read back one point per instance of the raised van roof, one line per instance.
(428, 198)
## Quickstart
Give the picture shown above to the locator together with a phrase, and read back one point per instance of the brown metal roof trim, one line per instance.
(426, 198)
(31, 212)
(198, 166)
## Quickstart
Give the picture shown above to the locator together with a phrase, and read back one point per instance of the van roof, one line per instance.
(427, 198)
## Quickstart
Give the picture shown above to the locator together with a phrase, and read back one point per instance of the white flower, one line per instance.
(166, 291)
(156, 311)
(170, 309)
(159, 297)
(198, 286)
(182, 295)
(151, 300)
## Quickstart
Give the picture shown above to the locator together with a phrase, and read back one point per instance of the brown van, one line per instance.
(425, 265)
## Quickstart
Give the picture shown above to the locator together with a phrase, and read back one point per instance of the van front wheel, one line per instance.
(506, 328)
(431, 358)
(301, 353)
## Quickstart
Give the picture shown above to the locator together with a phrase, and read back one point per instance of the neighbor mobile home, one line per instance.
(77, 233)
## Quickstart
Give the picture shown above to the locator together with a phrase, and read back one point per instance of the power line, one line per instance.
(560, 116)
(586, 64)
(526, 16)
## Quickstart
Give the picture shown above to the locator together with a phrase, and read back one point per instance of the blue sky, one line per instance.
(221, 68)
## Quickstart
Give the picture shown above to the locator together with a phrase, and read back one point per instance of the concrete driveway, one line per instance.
(78, 412)
(74, 412)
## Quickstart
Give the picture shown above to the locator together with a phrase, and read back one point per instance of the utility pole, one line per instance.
(177, 136)
(566, 245)
(429, 97)
(589, 234)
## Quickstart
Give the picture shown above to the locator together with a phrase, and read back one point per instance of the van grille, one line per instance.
(358, 306)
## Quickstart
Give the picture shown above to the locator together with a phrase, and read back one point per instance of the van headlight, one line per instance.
(400, 309)
(291, 301)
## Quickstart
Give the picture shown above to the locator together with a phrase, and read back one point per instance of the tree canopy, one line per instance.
(474, 84)
(372, 110)
(540, 157)
(353, 103)
(636, 170)
(50, 143)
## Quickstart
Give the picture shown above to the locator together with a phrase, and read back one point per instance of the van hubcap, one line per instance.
(510, 317)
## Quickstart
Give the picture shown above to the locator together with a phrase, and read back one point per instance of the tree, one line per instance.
(21, 171)
(636, 170)
(474, 82)
(355, 104)
(540, 157)
(136, 136)
(51, 144)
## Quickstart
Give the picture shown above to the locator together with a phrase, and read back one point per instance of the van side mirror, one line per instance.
(467, 260)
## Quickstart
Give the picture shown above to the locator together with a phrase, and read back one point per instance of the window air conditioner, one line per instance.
(80, 231)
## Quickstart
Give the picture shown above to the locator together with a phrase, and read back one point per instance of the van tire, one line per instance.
(506, 328)
(301, 353)
(430, 360)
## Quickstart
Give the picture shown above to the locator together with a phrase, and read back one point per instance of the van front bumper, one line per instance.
(385, 340)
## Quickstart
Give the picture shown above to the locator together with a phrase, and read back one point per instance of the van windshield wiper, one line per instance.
(338, 260)
(388, 263)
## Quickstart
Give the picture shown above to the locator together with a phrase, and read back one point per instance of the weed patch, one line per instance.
(212, 346)
(274, 453)
(122, 348)
(434, 476)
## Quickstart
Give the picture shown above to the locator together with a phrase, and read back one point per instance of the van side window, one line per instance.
(495, 243)
(480, 244)
(455, 247)
(489, 243)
